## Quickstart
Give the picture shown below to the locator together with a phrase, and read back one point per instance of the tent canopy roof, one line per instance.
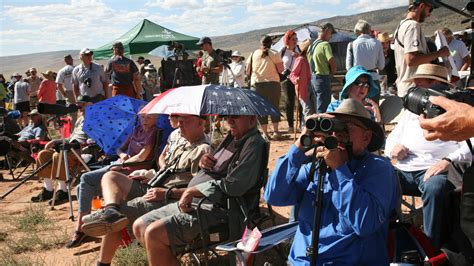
(145, 37)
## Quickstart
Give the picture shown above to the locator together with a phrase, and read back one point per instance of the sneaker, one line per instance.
(276, 136)
(61, 197)
(79, 237)
(103, 222)
(44, 195)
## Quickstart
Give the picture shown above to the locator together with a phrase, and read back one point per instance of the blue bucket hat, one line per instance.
(352, 75)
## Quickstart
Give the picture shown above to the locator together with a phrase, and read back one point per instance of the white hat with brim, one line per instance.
(431, 71)
(34, 112)
(353, 108)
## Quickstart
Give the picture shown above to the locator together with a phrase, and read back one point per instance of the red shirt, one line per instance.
(47, 92)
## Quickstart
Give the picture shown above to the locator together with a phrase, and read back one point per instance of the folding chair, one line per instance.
(211, 237)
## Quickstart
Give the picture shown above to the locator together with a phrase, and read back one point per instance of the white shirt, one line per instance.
(238, 69)
(458, 51)
(422, 153)
(65, 78)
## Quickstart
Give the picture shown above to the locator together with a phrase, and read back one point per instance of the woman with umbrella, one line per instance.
(137, 148)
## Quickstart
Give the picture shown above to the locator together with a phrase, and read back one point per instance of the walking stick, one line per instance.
(297, 111)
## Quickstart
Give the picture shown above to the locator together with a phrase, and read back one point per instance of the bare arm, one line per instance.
(142, 155)
(332, 65)
(416, 58)
(137, 84)
(61, 89)
(467, 63)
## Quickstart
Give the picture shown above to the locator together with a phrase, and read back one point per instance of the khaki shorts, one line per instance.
(271, 91)
(183, 228)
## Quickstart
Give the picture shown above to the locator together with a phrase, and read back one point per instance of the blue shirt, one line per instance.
(367, 52)
(359, 198)
(33, 131)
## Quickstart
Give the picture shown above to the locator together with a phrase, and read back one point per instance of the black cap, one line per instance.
(68, 56)
(204, 40)
(433, 3)
(141, 58)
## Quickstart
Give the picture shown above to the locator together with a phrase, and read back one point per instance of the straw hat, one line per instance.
(48, 74)
(384, 37)
(431, 71)
(355, 109)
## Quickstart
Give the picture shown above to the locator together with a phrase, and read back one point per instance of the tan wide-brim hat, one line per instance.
(431, 71)
(48, 74)
(384, 37)
(353, 108)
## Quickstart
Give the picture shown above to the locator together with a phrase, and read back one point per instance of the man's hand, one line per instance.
(439, 167)
(186, 199)
(141, 178)
(155, 194)
(456, 124)
(207, 161)
(399, 152)
(443, 52)
(334, 157)
(123, 156)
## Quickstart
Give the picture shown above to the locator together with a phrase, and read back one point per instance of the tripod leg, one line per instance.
(27, 178)
(58, 169)
(79, 158)
(68, 183)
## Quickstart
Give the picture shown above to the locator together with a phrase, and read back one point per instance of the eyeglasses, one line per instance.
(361, 84)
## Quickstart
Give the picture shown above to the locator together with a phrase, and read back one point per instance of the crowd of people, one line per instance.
(362, 190)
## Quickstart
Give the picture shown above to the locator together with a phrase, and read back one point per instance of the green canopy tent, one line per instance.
(145, 37)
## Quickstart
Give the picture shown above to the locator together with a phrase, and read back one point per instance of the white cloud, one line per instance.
(169, 4)
(371, 5)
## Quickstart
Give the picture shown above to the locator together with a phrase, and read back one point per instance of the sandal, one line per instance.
(79, 237)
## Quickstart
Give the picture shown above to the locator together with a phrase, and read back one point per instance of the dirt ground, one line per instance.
(15, 243)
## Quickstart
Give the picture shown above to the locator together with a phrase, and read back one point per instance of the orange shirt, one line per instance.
(47, 92)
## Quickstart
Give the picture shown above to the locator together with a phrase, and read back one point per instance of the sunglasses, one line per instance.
(361, 84)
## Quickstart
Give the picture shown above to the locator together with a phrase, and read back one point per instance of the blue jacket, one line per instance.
(359, 199)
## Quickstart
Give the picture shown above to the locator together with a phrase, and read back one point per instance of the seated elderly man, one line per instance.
(129, 197)
(232, 171)
(36, 130)
(49, 172)
(422, 165)
(359, 195)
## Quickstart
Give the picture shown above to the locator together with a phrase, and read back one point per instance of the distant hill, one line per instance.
(381, 20)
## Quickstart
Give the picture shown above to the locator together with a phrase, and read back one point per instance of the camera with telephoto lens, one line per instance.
(226, 56)
(417, 99)
(88, 82)
(56, 109)
(325, 125)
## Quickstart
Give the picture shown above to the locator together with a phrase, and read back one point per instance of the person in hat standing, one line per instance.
(150, 82)
(34, 82)
(422, 165)
(411, 49)
(211, 66)
(389, 69)
(323, 65)
(360, 192)
(141, 65)
(21, 98)
(123, 74)
(237, 77)
(47, 89)
(89, 78)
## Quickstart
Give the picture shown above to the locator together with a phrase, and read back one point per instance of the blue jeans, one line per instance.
(321, 92)
(89, 187)
(433, 194)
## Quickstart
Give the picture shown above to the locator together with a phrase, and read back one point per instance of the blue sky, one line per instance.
(28, 26)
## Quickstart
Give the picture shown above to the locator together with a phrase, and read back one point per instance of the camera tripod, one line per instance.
(63, 156)
(225, 75)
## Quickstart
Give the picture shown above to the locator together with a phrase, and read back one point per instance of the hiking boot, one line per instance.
(103, 222)
(61, 197)
(44, 195)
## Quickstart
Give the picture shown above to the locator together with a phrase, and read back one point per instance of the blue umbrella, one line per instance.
(110, 122)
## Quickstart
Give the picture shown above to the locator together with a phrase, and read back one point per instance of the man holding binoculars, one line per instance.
(359, 195)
